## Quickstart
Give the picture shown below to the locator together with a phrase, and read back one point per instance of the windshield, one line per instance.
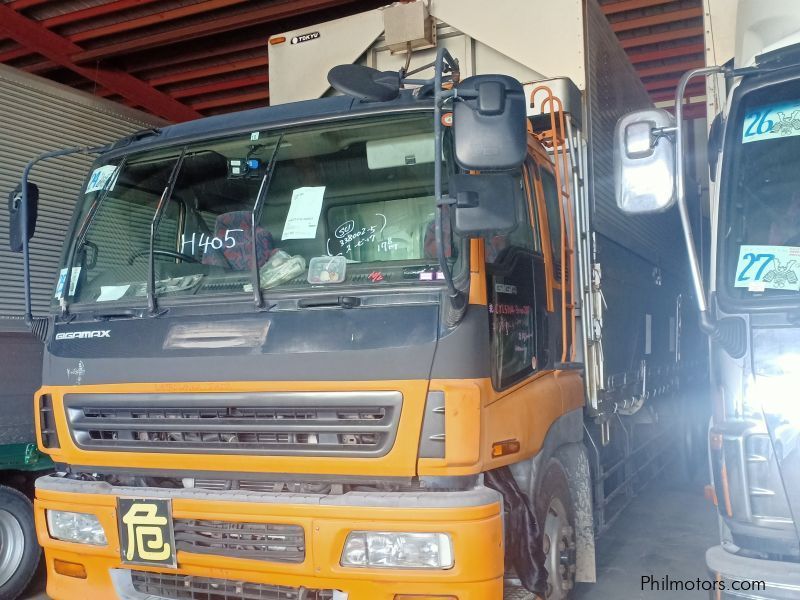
(761, 234)
(347, 203)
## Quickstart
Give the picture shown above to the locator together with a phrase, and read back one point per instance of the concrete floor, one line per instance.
(664, 531)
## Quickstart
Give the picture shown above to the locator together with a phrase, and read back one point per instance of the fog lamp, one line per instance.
(398, 550)
(76, 527)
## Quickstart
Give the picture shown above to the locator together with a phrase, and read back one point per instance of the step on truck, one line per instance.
(32, 120)
(391, 342)
(751, 313)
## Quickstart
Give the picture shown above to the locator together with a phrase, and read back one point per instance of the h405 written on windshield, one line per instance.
(768, 268)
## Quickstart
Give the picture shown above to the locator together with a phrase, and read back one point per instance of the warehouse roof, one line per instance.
(180, 59)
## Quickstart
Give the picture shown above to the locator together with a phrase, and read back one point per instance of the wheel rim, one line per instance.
(12, 545)
(559, 548)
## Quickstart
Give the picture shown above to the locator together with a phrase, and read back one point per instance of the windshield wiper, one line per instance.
(80, 237)
(162, 203)
(266, 181)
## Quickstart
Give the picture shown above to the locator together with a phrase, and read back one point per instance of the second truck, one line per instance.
(396, 343)
(753, 310)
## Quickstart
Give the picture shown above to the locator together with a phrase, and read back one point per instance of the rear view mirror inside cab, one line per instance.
(400, 151)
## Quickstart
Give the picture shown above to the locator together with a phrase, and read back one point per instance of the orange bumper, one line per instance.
(472, 519)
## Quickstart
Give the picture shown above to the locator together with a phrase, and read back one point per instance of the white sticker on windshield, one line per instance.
(771, 121)
(112, 292)
(768, 268)
(303, 217)
(73, 282)
(100, 177)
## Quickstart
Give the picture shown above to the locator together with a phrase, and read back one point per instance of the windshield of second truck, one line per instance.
(762, 198)
(346, 203)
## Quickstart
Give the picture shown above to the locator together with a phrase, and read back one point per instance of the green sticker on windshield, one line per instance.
(771, 121)
(768, 268)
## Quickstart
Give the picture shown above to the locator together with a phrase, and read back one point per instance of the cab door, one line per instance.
(517, 300)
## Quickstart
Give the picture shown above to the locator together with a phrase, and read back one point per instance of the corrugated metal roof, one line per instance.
(184, 58)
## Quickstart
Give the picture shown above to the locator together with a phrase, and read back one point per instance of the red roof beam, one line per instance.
(672, 16)
(232, 100)
(23, 4)
(613, 8)
(669, 94)
(91, 12)
(220, 86)
(673, 52)
(178, 58)
(228, 67)
(78, 15)
(153, 19)
(14, 54)
(54, 47)
(662, 36)
(259, 15)
(665, 69)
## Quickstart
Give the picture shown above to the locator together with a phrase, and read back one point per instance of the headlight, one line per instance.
(75, 527)
(391, 549)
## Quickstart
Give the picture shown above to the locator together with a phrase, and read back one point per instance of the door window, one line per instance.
(512, 313)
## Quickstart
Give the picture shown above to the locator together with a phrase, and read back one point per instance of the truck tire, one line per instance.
(554, 510)
(19, 550)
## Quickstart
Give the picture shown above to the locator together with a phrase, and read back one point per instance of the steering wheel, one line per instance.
(169, 253)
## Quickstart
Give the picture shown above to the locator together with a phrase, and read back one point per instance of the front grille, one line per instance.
(269, 487)
(187, 587)
(317, 424)
(257, 541)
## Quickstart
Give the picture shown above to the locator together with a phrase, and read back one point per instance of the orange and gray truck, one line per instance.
(390, 340)
(751, 313)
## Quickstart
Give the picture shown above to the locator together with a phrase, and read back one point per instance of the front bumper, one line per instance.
(738, 574)
(472, 518)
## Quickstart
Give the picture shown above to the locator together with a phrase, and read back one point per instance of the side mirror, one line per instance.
(644, 161)
(16, 230)
(490, 123)
(484, 203)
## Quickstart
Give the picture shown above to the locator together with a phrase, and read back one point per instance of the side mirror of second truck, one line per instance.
(16, 229)
(644, 161)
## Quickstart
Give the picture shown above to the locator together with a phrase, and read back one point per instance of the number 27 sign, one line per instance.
(768, 268)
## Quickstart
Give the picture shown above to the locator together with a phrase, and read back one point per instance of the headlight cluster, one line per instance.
(75, 527)
(390, 549)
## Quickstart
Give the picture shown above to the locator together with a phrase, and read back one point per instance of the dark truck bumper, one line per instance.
(741, 577)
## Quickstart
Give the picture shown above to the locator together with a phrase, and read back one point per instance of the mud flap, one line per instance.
(523, 534)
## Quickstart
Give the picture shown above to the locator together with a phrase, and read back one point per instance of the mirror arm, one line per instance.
(26, 260)
(457, 301)
(707, 322)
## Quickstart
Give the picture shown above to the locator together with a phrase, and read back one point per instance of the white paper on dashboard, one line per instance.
(304, 211)
(112, 292)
